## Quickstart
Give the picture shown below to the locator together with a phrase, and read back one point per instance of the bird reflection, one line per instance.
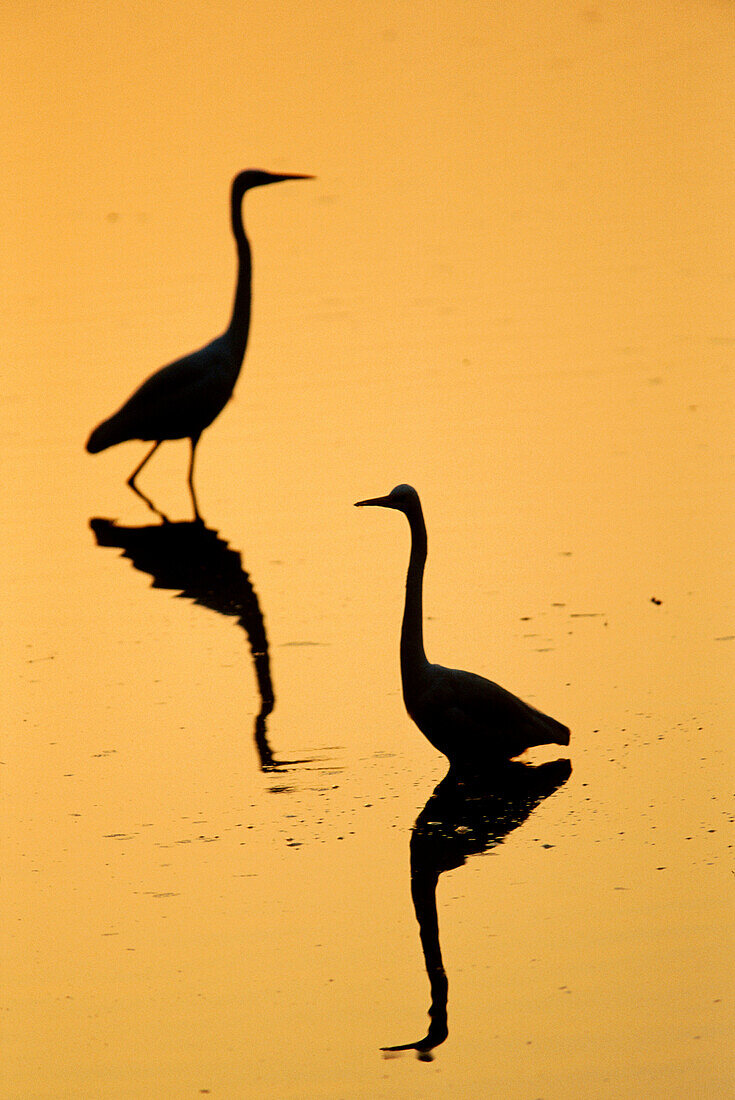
(463, 818)
(193, 559)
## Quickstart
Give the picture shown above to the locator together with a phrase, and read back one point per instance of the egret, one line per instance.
(473, 721)
(182, 399)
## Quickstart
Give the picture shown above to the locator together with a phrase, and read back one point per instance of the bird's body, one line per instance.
(177, 402)
(473, 721)
(470, 718)
(182, 399)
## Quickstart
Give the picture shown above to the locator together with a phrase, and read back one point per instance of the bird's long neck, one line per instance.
(413, 657)
(239, 325)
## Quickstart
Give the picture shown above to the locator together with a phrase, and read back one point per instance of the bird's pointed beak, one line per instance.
(279, 176)
(382, 502)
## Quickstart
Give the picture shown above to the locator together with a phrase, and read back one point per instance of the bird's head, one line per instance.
(402, 498)
(255, 177)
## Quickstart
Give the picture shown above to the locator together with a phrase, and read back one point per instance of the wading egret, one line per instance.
(182, 399)
(473, 721)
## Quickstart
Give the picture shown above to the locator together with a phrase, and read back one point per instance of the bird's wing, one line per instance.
(485, 711)
(180, 379)
(180, 399)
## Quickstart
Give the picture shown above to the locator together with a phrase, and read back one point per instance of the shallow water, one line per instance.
(510, 285)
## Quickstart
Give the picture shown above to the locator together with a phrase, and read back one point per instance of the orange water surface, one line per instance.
(512, 284)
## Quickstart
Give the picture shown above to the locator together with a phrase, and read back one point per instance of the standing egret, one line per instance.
(182, 399)
(473, 721)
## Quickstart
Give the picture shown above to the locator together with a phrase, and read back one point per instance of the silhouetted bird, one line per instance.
(462, 819)
(182, 399)
(473, 721)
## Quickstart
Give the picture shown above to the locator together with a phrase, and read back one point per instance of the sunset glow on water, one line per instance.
(510, 285)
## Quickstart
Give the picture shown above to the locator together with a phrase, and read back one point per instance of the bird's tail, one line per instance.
(105, 435)
(547, 731)
(563, 733)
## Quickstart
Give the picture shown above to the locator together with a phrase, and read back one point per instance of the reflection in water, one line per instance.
(462, 819)
(194, 560)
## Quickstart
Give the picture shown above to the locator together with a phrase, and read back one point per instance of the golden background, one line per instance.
(511, 285)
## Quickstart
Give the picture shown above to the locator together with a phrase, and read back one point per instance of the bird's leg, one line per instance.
(136, 471)
(146, 500)
(194, 441)
(136, 490)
